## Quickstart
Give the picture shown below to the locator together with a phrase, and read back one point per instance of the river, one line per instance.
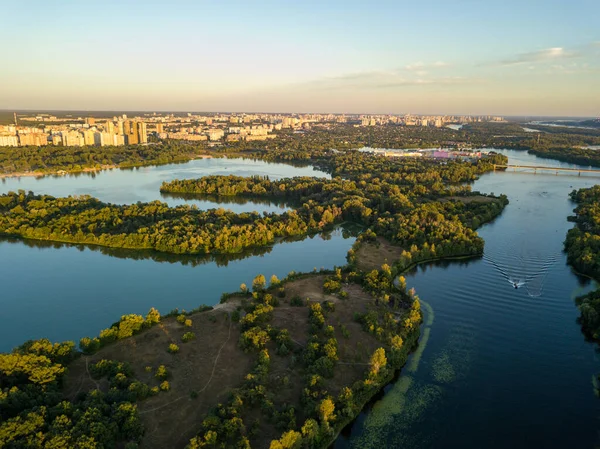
(142, 184)
(498, 367)
(65, 292)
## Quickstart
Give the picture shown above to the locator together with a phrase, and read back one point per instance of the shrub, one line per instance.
(153, 316)
(181, 319)
(89, 345)
(255, 338)
(188, 336)
(161, 372)
(331, 286)
(173, 348)
(259, 283)
(165, 386)
(297, 301)
(187, 323)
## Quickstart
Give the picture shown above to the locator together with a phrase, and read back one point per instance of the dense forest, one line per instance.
(34, 413)
(580, 156)
(414, 202)
(50, 159)
(583, 251)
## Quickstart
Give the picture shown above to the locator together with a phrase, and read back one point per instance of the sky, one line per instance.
(503, 57)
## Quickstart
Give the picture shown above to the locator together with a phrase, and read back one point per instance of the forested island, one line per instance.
(38, 161)
(583, 250)
(417, 202)
(281, 364)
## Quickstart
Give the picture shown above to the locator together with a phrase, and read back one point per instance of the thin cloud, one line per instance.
(421, 66)
(382, 80)
(548, 54)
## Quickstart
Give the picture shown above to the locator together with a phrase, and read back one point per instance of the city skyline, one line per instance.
(346, 57)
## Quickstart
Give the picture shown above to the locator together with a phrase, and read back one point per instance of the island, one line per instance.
(279, 364)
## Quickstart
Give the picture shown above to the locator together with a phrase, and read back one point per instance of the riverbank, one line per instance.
(581, 245)
(276, 337)
(62, 172)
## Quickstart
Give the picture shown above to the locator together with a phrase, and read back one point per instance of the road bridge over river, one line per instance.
(555, 170)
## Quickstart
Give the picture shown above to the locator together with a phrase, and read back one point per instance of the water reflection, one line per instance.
(345, 231)
(220, 199)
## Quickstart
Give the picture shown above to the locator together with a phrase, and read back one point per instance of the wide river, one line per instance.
(498, 367)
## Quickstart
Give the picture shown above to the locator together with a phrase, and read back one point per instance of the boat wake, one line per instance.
(523, 269)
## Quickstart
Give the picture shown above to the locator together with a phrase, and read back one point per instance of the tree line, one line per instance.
(583, 253)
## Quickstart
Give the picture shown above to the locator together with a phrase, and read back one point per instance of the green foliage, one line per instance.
(259, 283)
(48, 159)
(254, 338)
(161, 372)
(583, 252)
(34, 414)
(188, 336)
(173, 348)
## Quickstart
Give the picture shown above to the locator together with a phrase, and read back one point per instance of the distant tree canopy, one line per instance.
(48, 159)
(583, 252)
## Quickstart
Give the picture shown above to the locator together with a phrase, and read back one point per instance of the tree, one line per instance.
(153, 316)
(378, 361)
(289, 440)
(259, 283)
(325, 410)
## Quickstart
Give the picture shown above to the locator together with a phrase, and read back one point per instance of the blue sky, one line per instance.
(503, 57)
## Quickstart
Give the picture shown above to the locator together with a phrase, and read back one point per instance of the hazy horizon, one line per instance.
(172, 111)
(541, 58)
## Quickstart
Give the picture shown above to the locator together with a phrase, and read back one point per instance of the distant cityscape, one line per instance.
(46, 129)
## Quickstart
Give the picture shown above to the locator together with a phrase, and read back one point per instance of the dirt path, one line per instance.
(207, 383)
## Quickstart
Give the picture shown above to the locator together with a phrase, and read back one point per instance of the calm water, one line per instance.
(65, 292)
(498, 367)
(143, 184)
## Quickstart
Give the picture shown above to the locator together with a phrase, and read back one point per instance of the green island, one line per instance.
(39, 161)
(418, 202)
(583, 249)
(283, 364)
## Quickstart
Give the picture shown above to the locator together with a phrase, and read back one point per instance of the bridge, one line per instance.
(556, 170)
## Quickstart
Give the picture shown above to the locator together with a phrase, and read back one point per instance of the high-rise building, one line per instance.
(9, 141)
(159, 128)
(88, 137)
(109, 127)
(90, 120)
(72, 139)
(131, 132)
(142, 132)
